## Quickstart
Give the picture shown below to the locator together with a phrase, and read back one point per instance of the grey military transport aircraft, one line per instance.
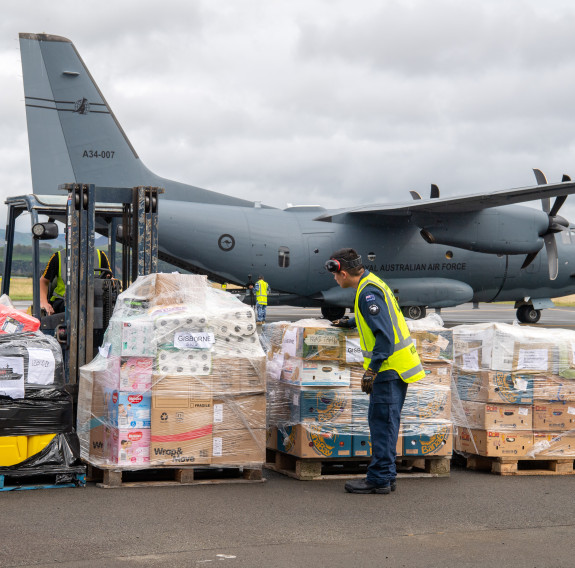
(434, 253)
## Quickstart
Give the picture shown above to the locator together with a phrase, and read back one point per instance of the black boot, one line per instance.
(363, 486)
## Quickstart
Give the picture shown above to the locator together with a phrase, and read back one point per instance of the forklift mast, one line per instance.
(126, 215)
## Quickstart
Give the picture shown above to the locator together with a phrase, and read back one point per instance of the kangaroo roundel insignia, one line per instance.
(226, 242)
(373, 309)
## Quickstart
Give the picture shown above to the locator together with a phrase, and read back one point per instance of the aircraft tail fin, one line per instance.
(73, 134)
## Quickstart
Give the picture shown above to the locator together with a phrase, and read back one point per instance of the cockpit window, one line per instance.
(283, 257)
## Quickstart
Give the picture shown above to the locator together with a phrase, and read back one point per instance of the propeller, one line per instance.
(556, 225)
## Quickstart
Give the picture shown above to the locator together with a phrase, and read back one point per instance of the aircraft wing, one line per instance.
(461, 204)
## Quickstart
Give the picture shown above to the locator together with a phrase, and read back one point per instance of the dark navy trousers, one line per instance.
(385, 404)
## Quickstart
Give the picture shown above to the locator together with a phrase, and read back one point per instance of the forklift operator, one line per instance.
(53, 271)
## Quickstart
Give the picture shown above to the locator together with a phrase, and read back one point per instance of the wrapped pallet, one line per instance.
(180, 380)
(315, 404)
(36, 427)
(517, 390)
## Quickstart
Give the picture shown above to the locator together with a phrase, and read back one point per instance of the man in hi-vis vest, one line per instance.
(261, 290)
(390, 361)
(54, 270)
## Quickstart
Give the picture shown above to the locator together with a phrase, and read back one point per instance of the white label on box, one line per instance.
(442, 342)
(570, 410)
(12, 377)
(289, 341)
(295, 400)
(41, 366)
(471, 361)
(523, 411)
(218, 413)
(331, 340)
(193, 340)
(353, 350)
(442, 371)
(533, 359)
(217, 448)
(520, 384)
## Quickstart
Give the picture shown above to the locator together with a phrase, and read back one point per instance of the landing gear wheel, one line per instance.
(332, 313)
(528, 314)
(414, 312)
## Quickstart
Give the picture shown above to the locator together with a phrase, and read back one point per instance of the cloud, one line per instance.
(318, 101)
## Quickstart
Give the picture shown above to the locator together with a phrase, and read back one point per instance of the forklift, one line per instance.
(126, 216)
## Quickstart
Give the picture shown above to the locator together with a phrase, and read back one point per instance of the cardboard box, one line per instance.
(239, 412)
(182, 435)
(308, 441)
(553, 416)
(238, 375)
(435, 345)
(272, 438)
(127, 446)
(313, 343)
(436, 374)
(356, 372)
(495, 386)
(175, 288)
(320, 344)
(554, 444)
(333, 406)
(179, 391)
(359, 406)
(501, 417)
(128, 409)
(97, 442)
(427, 439)
(492, 443)
(315, 373)
(553, 389)
(361, 445)
(239, 447)
(427, 403)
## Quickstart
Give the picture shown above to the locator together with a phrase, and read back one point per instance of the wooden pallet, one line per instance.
(10, 482)
(519, 465)
(169, 476)
(313, 469)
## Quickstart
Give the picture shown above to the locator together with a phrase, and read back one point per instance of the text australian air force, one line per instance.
(424, 267)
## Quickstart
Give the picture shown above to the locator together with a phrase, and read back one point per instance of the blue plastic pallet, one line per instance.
(79, 481)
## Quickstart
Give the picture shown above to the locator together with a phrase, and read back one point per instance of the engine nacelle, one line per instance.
(512, 230)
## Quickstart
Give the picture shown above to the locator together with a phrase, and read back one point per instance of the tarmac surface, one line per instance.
(468, 519)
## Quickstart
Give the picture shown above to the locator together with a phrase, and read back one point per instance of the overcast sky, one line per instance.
(318, 101)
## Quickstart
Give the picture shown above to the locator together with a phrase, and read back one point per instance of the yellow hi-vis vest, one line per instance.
(404, 359)
(262, 293)
(60, 289)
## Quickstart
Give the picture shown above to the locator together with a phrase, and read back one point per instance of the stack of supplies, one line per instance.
(36, 427)
(517, 390)
(180, 380)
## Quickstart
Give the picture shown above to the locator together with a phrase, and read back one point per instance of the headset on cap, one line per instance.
(334, 265)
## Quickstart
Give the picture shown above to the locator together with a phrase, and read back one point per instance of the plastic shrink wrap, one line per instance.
(13, 320)
(179, 381)
(36, 429)
(315, 404)
(516, 386)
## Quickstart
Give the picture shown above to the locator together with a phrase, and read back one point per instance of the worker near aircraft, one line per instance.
(390, 362)
(54, 271)
(261, 290)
